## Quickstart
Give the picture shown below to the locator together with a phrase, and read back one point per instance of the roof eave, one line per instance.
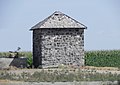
(61, 28)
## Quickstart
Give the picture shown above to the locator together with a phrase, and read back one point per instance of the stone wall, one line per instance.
(52, 47)
(17, 62)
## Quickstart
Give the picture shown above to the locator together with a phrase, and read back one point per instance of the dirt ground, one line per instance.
(7, 82)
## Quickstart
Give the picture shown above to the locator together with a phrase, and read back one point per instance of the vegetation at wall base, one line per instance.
(29, 60)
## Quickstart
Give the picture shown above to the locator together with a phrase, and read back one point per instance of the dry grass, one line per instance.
(101, 68)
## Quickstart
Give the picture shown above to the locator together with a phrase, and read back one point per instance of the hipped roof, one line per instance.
(58, 20)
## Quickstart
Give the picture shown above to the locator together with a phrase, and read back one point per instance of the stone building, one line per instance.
(58, 39)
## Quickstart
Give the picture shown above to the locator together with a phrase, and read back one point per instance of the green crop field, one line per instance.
(103, 58)
(21, 54)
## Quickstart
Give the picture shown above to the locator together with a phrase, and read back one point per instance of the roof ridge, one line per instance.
(58, 12)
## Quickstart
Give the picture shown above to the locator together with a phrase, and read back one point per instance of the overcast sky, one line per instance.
(102, 17)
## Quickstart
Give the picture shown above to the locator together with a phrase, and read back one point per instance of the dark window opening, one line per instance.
(56, 14)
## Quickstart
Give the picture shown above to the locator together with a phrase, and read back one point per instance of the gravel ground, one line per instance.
(5, 82)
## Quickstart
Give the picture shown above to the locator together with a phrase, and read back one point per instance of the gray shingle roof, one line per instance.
(58, 20)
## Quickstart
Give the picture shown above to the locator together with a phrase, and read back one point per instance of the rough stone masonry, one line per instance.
(59, 39)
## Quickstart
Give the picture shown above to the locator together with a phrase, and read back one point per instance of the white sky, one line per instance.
(102, 17)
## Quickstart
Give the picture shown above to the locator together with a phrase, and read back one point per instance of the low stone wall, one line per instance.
(61, 83)
(17, 62)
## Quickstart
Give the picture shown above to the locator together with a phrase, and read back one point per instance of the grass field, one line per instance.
(57, 75)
